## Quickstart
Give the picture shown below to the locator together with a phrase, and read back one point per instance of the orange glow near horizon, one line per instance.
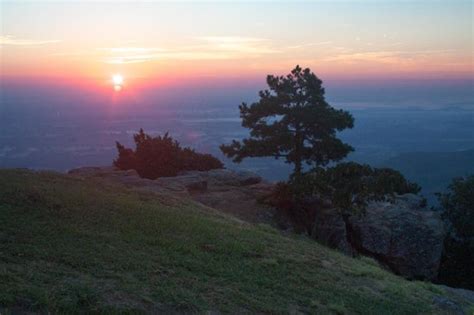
(83, 69)
(205, 43)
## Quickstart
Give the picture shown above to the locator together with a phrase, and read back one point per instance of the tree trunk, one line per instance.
(299, 143)
(297, 170)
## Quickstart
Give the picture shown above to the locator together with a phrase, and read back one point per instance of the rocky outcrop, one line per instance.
(330, 229)
(234, 192)
(453, 301)
(402, 235)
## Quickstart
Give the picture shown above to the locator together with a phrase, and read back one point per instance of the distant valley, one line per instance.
(433, 170)
(428, 145)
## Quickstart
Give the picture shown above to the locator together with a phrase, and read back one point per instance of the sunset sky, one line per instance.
(164, 41)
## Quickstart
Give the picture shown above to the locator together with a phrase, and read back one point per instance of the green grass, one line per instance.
(69, 245)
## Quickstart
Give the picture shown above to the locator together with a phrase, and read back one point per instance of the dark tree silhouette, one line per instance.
(458, 205)
(292, 120)
(162, 156)
(458, 257)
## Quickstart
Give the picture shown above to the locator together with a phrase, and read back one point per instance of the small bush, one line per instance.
(457, 263)
(458, 206)
(126, 159)
(458, 210)
(346, 187)
(162, 156)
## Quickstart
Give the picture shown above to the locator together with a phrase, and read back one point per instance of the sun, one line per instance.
(117, 79)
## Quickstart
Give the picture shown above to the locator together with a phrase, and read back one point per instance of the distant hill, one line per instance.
(71, 245)
(433, 170)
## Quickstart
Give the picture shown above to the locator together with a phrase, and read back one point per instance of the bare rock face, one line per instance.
(403, 235)
(225, 177)
(407, 238)
(330, 230)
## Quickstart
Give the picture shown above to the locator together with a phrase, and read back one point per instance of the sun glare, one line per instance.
(117, 79)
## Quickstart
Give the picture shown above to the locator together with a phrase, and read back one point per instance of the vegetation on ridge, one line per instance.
(162, 156)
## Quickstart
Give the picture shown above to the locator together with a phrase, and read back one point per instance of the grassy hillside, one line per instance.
(69, 245)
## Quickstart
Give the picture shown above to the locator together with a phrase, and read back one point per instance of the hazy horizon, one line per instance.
(77, 76)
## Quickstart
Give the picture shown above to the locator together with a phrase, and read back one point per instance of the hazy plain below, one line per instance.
(426, 134)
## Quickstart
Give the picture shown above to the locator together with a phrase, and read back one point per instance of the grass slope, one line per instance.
(70, 245)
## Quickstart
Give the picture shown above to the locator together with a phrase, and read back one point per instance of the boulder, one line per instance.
(190, 183)
(405, 238)
(246, 178)
(100, 171)
(448, 305)
(402, 235)
(330, 229)
(413, 201)
(225, 177)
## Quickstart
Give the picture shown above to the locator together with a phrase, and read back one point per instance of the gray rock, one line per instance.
(191, 183)
(248, 178)
(97, 171)
(225, 177)
(458, 296)
(412, 201)
(401, 235)
(330, 229)
(447, 305)
(409, 241)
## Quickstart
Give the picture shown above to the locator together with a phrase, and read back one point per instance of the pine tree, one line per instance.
(292, 120)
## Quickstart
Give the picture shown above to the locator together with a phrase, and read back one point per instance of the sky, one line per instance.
(159, 42)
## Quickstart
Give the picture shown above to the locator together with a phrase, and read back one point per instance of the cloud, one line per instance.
(389, 56)
(239, 44)
(131, 49)
(202, 48)
(130, 58)
(169, 55)
(310, 45)
(11, 40)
